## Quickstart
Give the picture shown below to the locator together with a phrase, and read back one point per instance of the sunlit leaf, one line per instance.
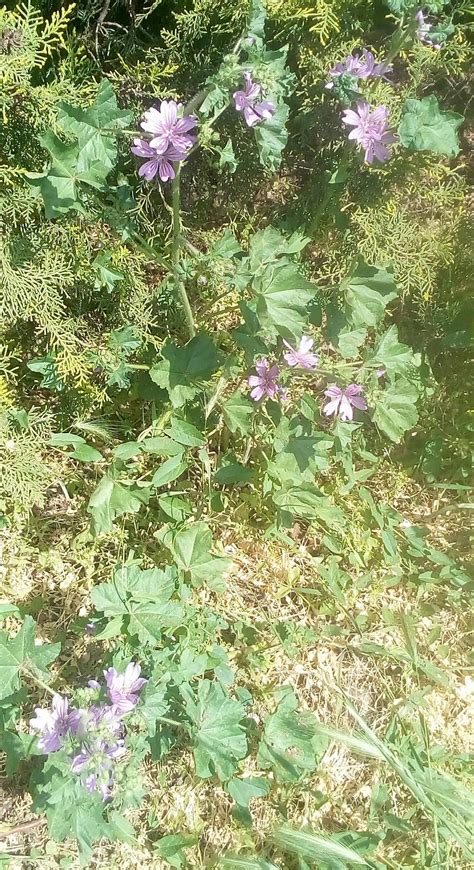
(218, 735)
(424, 127)
(184, 370)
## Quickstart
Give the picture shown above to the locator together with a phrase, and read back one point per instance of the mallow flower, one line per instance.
(342, 401)
(168, 130)
(370, 130)
(156, 164)
(264, 383)
(123, 689)
(249, 102)
(55, 724)
(362, 66)
(302, 355)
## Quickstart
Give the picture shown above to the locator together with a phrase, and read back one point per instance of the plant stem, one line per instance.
(399, 39)
(332, 187)
(167, 721)
(175, 252)
(38, 682)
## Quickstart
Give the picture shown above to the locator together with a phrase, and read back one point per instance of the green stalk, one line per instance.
(401, 36)
(175, 252)
(332, 187)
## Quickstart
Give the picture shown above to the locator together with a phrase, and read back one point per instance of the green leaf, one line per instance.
(401, 7)
(59, 186)
(86, 453)
(424, 127)
(20, 655)
(88, 160)
(153, 703)
(126, 451)
(350, 340)
(121, 829)
(257, 18)
(218, 735)
(238, 412)
(271, 137)
(175, 507)
(368, 292)
(227, 157)
(161, 445)
(183, 370)
(107, 276)
(397, 358)
(243, 791)
(191, 549)
(185, 433)
(73, 812)
(170, 470)
(268, 245)
(395, 409)
(94, 129)
(170, 848)
(111, 499)
(306, 502)
(282, 295)
(231, 471)
(316, 848)
(225, 247)
(17, 748)
(291, 744)
(65, 439)
(46, 366)
(125, 339)
(142, 599)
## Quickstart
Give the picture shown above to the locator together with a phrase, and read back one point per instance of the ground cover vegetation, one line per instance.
(234, 435)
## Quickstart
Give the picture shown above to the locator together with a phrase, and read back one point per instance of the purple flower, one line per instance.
(370, 130)
(424, 34)
(360, 66)
(250, 103)
(156, 164)
(55, 724)
(264, 383)
(124, 688)
(93, 684)
(105, 720)
(169, 130)
(342, 401)
(95, 764)
(302, 355)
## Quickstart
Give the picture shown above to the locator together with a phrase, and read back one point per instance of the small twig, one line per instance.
(102, 16)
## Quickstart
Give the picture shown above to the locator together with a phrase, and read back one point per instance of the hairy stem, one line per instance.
(175, 253)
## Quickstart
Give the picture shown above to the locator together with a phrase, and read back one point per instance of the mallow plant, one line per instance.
(266, 414)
